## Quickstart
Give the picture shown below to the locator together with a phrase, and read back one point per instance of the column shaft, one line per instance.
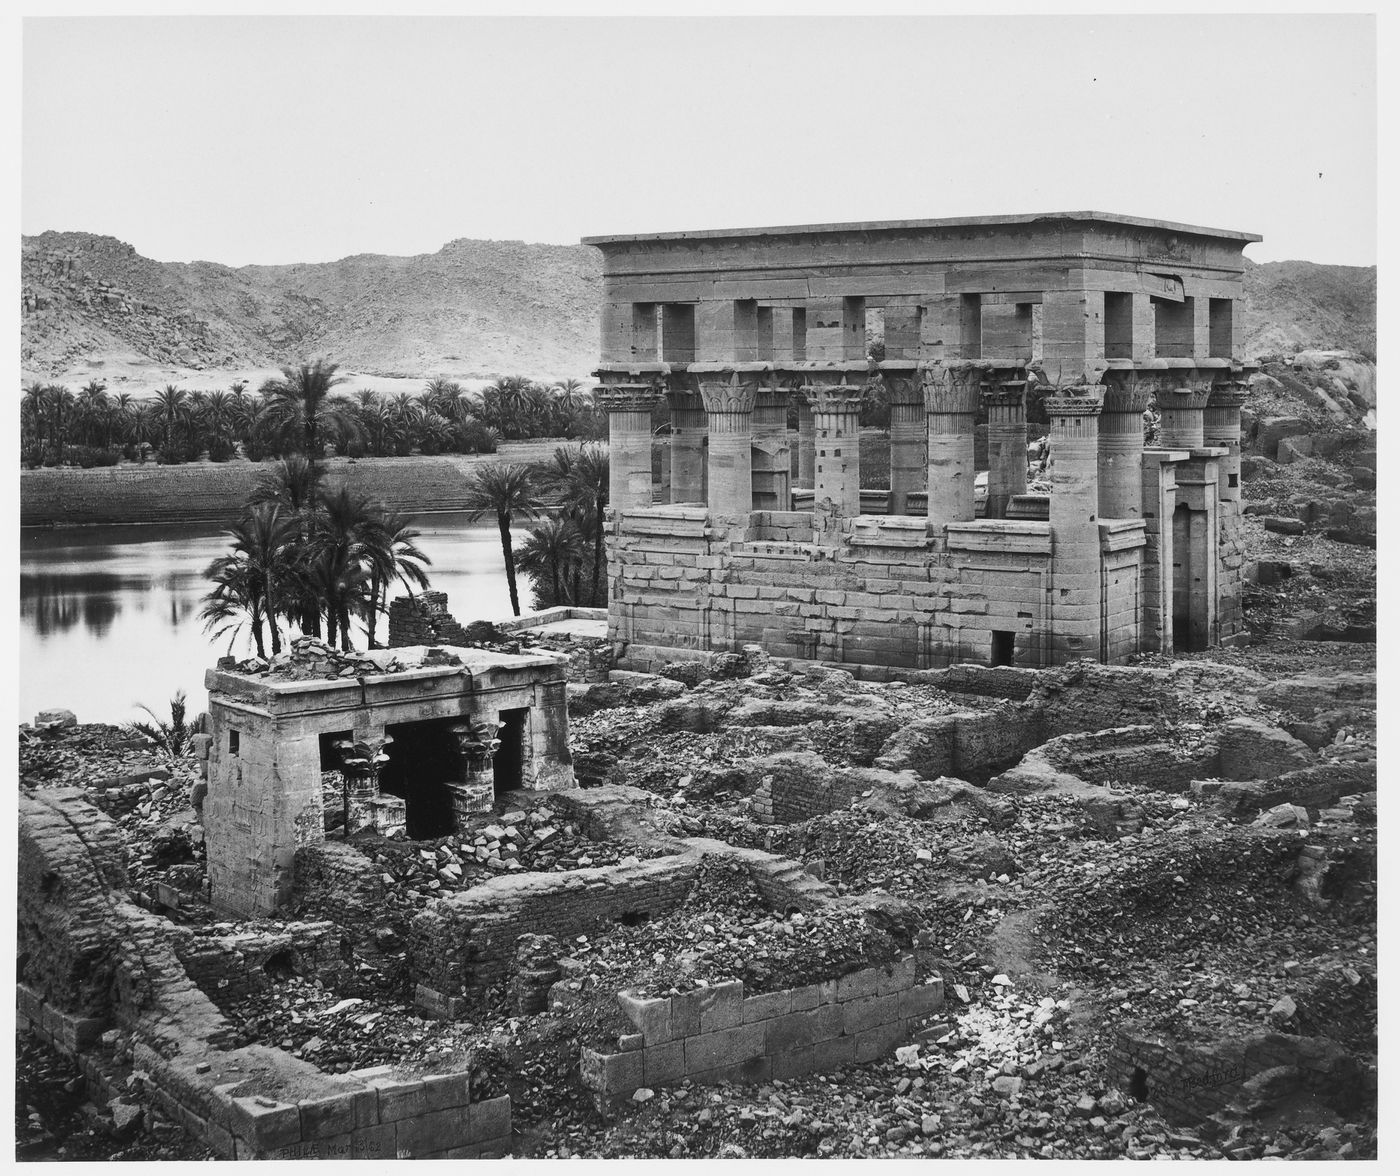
(951, 394)
(688, 432)
(729, 395)
(1182, 406)
(1076, 560)
(1120, 450)
(836, 424)
(1006, 444)
(806, 445)
(772, 452)
(629, 442)
(1222, 428)
(908, 432)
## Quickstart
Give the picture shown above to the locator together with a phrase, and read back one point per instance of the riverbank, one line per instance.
(214, 492)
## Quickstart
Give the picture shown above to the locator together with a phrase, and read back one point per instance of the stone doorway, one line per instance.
(508, 767)
(423, 759)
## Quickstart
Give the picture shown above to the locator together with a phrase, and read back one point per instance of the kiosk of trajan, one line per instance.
(1095, 316)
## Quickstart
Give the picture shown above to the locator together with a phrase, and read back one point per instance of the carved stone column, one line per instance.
(477, 743)
(689, 429)
(806, 445)
(772, 451)
(1182, 402)
(1076, 559)
(836, 425)
(629, 441)
(951, 395)
(1005, 400)
(908, 432)
(729, 393)
(1120, 445)
(1222, 428)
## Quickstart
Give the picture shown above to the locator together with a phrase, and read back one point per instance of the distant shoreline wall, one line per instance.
(214, 492)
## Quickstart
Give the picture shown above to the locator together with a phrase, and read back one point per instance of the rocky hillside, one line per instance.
(474, 308)
(1293, 306)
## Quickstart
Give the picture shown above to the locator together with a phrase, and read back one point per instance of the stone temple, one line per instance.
(1075, 321)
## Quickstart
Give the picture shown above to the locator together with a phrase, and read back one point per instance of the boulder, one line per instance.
(1272, 430)
(1281, 525)
(1291, 449)
(55, 720)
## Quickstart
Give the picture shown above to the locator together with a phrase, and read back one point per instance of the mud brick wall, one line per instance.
(1189, 1081)
(791, 792)
(866, 592)
(718, 1034)
(464, 943)
(423, 620)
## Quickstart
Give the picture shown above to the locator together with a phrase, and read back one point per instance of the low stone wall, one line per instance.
(464, 943)
(1135, 755)
(718, 1034)
(229, 968)
(970, 745)
(1190, 1081)
(101, 981)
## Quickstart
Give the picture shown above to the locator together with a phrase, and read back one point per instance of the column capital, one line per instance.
(1183, 394)
(903, 385)
(1067, 403)
(951, 387)
(999, 393)
(627, 397)
(1128, 396)
(1230, 395)
(837, 398)
(728, 388)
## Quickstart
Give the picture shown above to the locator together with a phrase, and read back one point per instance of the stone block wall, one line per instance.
(180, 1044)
(464, 943)
(1135, 755)
(423, 620)
(1189, 1081)
(876, 592)
(719, 1034)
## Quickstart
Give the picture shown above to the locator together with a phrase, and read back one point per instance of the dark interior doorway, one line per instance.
(1003, 647)
(509, 764)
(423, 758)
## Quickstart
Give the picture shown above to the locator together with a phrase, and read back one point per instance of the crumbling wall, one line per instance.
(135, 1012)
(718, 1034)
(464, 943)
(1189, 1081)
(1147, 757)
(423, 620)
(971, 745)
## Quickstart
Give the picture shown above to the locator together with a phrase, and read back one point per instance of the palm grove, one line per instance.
(317, 560)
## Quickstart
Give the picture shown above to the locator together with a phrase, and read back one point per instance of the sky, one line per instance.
(273, 140)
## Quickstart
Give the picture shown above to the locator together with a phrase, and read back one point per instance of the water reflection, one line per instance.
(109, 615)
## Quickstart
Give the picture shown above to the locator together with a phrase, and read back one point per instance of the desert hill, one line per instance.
(92, 304)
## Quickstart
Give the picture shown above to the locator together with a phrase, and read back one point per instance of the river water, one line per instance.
(109, 616)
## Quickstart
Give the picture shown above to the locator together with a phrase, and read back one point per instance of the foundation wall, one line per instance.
(876, 591)
(718, 1034)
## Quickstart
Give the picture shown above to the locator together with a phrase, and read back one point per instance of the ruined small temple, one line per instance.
(1084, 318)
(419, 742)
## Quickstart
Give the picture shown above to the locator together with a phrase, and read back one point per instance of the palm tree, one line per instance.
(392, 554)
(300, 406)
(33, 412)
(505, 489)
(253, 577)
(175, 738)
(552, 549)
(172, 407)
(580, 478)
(219, 417)
(59, 406)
